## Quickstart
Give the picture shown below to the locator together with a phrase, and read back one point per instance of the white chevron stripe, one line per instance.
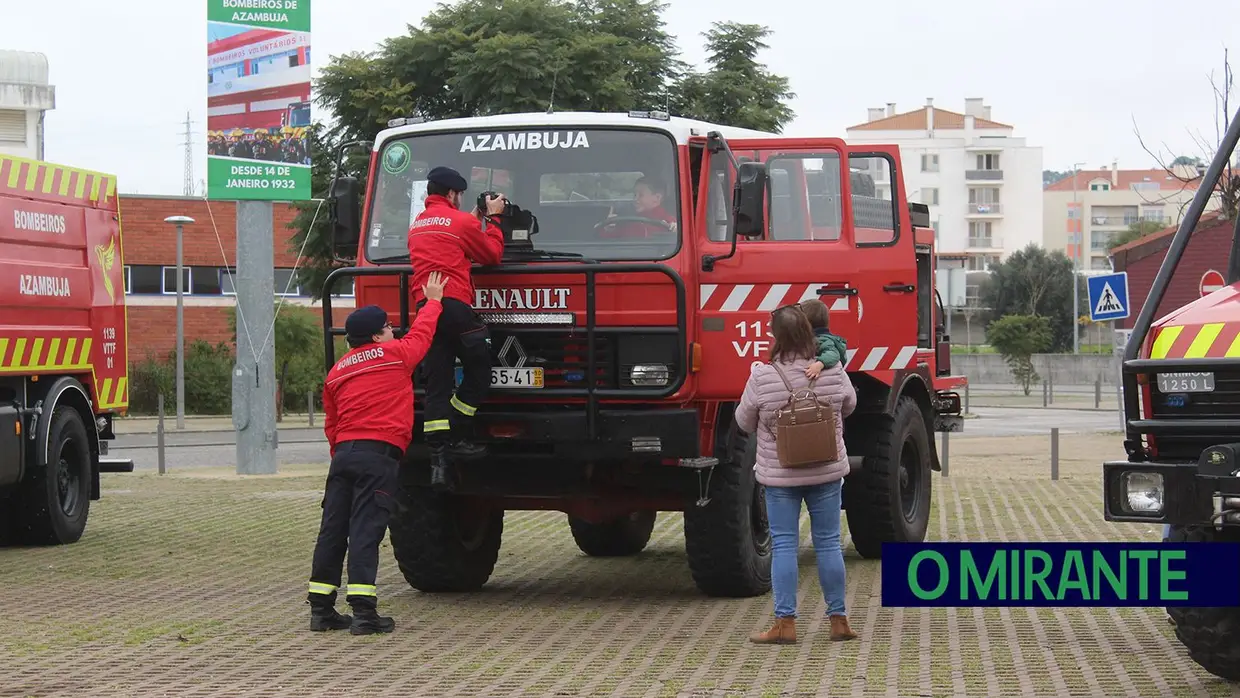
(872, 360)
(840, 304)
(774, 297)
(903, 357)
(849, 357)
(811, 291)
(736, 298)
(705, 291)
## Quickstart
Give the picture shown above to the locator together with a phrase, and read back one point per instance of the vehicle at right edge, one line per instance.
(1181, 402)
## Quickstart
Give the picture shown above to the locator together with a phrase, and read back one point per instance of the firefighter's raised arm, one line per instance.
(415, 344)
(484, 241)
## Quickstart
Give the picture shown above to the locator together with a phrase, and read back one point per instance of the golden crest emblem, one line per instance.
(107, 260)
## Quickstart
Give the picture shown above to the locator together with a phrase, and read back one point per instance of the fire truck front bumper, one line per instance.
(619, 434)
(1181, 494)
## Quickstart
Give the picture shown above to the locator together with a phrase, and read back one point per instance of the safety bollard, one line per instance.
(1045, 394)
(1055, 453)
(966, 398)
(1098, 391)
(1050, 383)
(310, 405)
(159, 434)
(946, 450)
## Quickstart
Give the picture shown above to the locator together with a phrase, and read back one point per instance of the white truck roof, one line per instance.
(680, 128)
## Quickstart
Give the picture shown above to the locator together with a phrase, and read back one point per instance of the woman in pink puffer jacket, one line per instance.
(819, 486)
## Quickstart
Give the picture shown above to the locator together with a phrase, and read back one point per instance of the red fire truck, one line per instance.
(63, 358)
(1181, 390)
(619, 357)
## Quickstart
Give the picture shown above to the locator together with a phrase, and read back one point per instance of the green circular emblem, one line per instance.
(396, 158)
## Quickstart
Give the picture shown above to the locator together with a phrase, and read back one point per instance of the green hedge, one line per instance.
(208, 369)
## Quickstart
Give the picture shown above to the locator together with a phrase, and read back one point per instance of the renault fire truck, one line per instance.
(63, 360)
(620, 351)
(1181, 388)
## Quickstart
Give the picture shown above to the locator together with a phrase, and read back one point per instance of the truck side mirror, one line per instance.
(345, 212)
(749, 199)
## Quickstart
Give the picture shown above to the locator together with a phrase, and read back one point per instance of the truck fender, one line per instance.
(916, 383)
(67, 391)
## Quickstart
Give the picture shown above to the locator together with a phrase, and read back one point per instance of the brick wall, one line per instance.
(153, 328)
(1208, 248)
(149, 240)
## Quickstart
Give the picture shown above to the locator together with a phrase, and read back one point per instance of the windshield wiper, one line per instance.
(543, 254)
(391, 260)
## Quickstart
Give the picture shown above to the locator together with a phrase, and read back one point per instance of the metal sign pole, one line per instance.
(254, 383)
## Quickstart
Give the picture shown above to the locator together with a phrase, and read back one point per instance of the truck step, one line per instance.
(699, 463)
(116, 465)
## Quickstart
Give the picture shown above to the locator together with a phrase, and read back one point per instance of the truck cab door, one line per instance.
(831, 230)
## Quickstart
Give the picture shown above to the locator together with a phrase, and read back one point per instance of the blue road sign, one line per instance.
(1108, 296)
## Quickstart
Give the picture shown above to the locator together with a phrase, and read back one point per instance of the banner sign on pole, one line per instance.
(258, 100)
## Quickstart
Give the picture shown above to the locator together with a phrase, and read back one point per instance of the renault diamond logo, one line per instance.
(511, 345)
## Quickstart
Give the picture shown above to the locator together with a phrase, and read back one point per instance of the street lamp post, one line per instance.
(180, 222)
(1077, 239)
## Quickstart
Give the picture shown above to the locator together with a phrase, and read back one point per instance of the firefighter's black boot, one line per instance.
(440, 477)
(464, 446)
(324, 616)
(367, 621)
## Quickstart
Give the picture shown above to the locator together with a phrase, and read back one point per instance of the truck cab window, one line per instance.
(871, 187)
(805, 196)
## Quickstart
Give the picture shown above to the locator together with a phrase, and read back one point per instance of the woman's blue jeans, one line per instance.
(783, 513)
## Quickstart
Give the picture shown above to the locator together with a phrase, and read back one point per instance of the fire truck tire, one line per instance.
(1211, 635)
(54, 501)
(626, 535)
(727, 541)
(441, 543)
(888, 499)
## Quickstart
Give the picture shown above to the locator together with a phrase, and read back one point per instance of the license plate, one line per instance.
(505, 378)
(1186, 382)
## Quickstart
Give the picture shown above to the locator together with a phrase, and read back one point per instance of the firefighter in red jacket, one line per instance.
(368, 419)
(445, 239)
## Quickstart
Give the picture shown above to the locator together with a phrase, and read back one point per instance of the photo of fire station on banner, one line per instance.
(258, 99)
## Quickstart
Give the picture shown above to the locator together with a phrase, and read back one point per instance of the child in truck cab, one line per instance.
(648, 195)
(832, 349)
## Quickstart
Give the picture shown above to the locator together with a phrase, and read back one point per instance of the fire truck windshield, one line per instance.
(573, 180)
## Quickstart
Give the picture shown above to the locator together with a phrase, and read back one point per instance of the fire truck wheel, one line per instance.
(1211, 635)
(55, 500)
(888, 499)
(626, 535)
(727, 541)
(443, 542)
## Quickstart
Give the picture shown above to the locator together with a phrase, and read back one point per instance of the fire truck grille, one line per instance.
(1221, 402)
(563, 358)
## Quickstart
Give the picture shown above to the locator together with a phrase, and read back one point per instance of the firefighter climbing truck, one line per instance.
(644, 255)
(1181, 388)
(63, 361)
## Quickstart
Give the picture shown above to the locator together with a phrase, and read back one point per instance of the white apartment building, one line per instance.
(25, 96)
(1109, 200)
(983, 185)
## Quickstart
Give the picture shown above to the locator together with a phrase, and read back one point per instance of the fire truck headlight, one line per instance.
(1143, 491)
(649, 374)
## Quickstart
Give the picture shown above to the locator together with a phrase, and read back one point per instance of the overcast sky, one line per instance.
(1070, 76)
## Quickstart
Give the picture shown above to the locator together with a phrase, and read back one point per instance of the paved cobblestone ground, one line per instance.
(193, 584)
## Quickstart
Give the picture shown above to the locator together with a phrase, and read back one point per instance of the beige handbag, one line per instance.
(805, 428)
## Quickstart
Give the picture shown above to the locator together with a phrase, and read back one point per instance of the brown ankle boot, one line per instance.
(840, 629)
(783, 632)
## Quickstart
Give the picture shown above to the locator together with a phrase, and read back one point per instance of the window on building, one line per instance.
(206, 281)
(12, 126)
(170, 280)
(1099, 264)
(285, 284)
(929, 162)
(1100, 186)
(930, 195)
(988, 161)
(980, 234)
(125, 274)
(145, 279)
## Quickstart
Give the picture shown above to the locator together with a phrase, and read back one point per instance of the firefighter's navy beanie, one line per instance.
(447, 177)
(365, 321)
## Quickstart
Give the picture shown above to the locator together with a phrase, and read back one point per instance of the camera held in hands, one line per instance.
(517, 224)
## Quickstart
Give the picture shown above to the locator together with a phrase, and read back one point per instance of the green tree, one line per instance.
(1136, 231)
(1033, 281)
(485, 57)
(1017, 338)
(736, 89)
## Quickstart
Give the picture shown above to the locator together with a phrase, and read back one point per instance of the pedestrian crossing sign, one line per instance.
(1108, 297)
